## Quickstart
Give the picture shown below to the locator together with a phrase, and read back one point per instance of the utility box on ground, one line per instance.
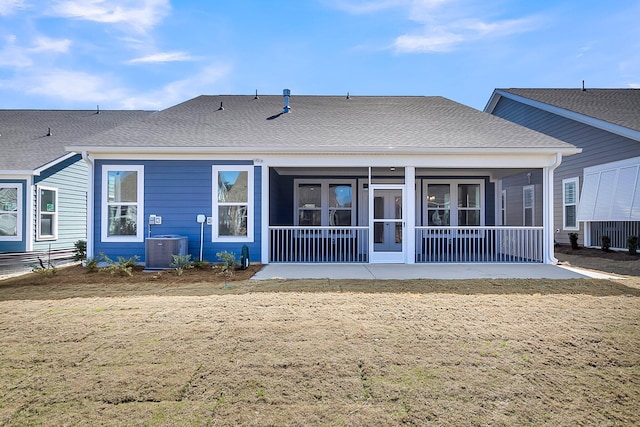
(159, 250)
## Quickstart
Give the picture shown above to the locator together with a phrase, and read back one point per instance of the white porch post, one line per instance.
(410, 183)
(265, 234)
(548, 221)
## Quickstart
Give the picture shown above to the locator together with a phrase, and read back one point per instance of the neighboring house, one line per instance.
(596, 193)
(43, 187)
(318, 179)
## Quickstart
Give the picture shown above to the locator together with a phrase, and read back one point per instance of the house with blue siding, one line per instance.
(597, 192)
(43, 190)
(316, 179)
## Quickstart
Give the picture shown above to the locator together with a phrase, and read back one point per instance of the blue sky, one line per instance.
(152, 54)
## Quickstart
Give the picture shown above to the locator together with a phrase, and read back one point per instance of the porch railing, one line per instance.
(491, 244)
(479, 244)
(318, 244)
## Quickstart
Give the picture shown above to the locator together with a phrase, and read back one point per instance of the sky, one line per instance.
(152, 54)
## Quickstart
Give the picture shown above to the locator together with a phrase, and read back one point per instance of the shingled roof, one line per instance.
(320, 123)
(617, 106)
(30, 139)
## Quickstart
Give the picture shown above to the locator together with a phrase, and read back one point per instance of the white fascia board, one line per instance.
(572, 115)
(46, 166)
(236, 152)
(484, 160)
(16, 174)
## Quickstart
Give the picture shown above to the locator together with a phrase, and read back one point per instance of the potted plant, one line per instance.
(632, 244)
(573, 238)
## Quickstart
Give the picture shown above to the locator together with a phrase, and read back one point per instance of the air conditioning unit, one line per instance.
(159, 250)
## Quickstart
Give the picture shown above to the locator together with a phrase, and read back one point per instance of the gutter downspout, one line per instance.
(90, 203)
(548, 237)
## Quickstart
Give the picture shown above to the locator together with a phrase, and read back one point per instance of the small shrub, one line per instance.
(122, 266)
(573, 238)
(606, 243)
(91, 265)
(632, 244)
(80, 250)
(181, 263)
(229, 261)
(46, 270)
(201, 265)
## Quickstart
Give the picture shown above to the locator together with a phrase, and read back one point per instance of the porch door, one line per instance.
(387, 224)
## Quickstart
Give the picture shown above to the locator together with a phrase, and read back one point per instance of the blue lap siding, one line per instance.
(177, 191)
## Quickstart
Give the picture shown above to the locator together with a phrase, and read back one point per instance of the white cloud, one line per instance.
(179, 90)
(162, 57)
(12, 55)
(634, 85)
(359, 7)
(70, 86)
(138, 15)
(427, 43)
(447, 26)
(7, 7)
(46, 44)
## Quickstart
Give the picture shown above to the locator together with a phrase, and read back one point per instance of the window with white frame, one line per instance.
(528, 205)
(453, 203)
(10, 212)
(233, 203)
(123, 203)
(570, 204)
(324, 203)
(47, 219)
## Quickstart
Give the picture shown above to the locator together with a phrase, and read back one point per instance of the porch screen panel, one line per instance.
(122, 202)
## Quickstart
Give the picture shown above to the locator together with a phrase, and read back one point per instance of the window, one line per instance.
(570, 203)
(324, 203)
(122, 203)
(528, 203)
(466, 210)
(47, 220)
(10, 212)
(233, 203)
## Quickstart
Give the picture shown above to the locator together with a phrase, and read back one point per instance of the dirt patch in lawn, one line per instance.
(208, 349)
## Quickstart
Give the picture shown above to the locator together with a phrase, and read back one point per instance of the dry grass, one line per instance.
(207, 350)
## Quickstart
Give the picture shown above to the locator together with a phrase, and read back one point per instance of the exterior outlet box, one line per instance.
(158, 220)
(209, 220)
(159, 250)
(200, 219)
(152, 219)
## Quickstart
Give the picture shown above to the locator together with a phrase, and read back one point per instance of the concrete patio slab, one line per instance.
(422, 271)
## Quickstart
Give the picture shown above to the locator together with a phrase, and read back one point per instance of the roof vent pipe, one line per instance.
(256, 97)
(286, 93)
(221, 107)
(49, 132)
(583, 89)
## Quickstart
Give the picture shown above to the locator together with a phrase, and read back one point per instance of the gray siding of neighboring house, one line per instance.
(598, 146)
(70, 179)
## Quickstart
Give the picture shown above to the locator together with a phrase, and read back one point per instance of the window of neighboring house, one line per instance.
(503, 207)
(10, 212)
(324, 203)
(570, 203)
(122, 203)
(528, 204)
(466, 210)
(47, 219)
(233, 203)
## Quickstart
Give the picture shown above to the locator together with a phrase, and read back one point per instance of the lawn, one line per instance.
(217, 350)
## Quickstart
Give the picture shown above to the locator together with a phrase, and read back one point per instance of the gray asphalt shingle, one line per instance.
(322, 123)
(24, 144)
(617, 106)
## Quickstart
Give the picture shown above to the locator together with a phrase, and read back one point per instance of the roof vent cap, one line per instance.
(286, 93)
